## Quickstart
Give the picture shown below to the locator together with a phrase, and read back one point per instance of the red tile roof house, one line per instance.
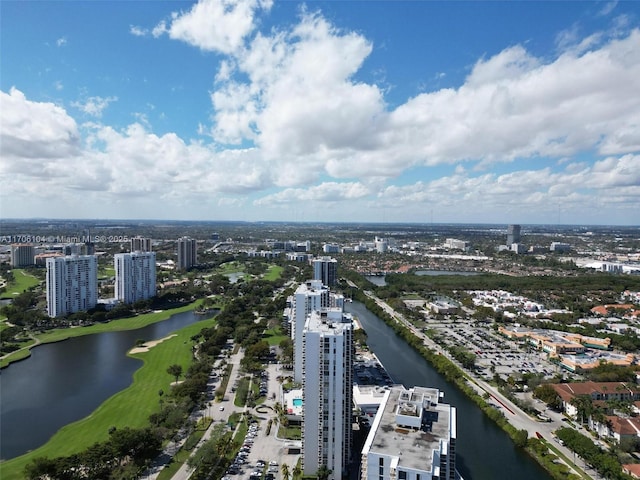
(597, 391)
(632, 469)
(605, 309)
(617, 428)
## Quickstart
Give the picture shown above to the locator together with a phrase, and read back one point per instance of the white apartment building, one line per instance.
(326, 270)
(72, 284)
(327, 392)
(330, 248)
(308, 297)
(560, 247)
(455, 244)
(22, 255)
(381, 245)
(135, 276)
(413, 437)
(187, 253)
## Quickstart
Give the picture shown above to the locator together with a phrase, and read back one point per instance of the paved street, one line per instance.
(260, 447)
(514, 415)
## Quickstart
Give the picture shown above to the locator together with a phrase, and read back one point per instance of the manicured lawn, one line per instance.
(130, 407)
(273, 273)
(107, 272)
(230, 267)
(22, 281)
(274, 336)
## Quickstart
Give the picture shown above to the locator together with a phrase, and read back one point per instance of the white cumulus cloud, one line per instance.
(215, 25)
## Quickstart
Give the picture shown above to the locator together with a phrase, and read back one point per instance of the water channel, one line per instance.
(66, 381)
(485, 452)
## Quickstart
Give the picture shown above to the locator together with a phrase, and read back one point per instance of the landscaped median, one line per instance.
(128, 408)
(129, 323)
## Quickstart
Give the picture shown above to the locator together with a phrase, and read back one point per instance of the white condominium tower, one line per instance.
(135, 276)
(413, 437)
(325, 269)
(72, 284)
(308, 297)
(22, 255)
(187, 253)
(327, 392)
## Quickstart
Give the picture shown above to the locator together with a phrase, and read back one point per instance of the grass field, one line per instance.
(107, 272)
(21, 281)
(274, 336)
(273, 273)
(230, 267)
(130, 407)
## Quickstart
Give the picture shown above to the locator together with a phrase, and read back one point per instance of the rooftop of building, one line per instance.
(624, 426)
(329, 320)
(570, 390)
(413, 447)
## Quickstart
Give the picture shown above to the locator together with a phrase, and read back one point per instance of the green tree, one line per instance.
(323, 472)
(297, 471)
(175, 370)
(284, 469)
(520, 438)
(584, 406)
(42, 467)
(548, 395)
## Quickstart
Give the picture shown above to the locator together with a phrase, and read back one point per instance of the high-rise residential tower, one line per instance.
(325, 269)
(140, 244)
(72, 284)
(22, 255)
(187, 253)
(327, 392)
(308, 297)
(413, 437)
(135, 276)
(513, 234)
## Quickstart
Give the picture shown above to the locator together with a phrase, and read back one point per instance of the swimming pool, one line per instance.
(297, 402)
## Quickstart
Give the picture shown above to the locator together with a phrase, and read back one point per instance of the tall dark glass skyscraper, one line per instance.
(513, 234)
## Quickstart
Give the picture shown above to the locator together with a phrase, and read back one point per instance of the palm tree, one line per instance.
(584, 407)
(284, 468)
(297, 471)
(323, 472)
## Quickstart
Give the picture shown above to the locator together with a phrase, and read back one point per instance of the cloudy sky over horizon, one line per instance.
(380, 111)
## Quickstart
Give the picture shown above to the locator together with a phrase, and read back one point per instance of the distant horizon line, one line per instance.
(307, 222)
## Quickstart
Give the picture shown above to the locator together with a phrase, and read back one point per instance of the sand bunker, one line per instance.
(146, 346)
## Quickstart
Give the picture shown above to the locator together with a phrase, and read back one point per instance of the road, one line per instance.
(516, 417)
(266, 447)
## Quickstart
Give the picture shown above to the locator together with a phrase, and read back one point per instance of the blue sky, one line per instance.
(417, 111)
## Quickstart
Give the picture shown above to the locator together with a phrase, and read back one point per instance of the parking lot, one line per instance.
(494, 353)
(262, 452)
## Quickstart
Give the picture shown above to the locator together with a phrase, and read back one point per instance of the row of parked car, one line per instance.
(264, 377)
(241, 458)
(260, 466)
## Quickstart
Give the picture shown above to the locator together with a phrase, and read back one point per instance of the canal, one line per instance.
(485, 452)
(66, 381)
